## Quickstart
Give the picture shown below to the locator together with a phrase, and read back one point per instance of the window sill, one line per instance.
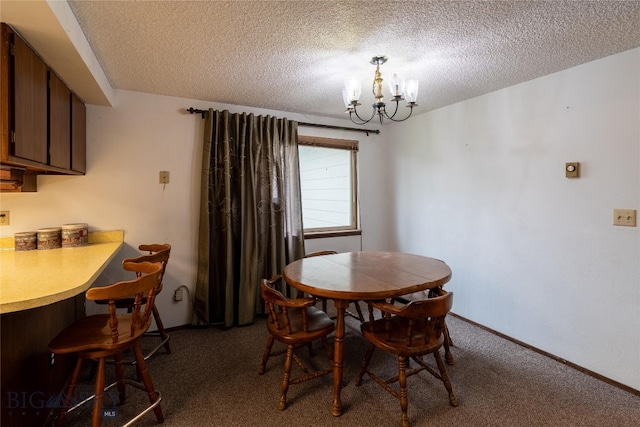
(326, 234)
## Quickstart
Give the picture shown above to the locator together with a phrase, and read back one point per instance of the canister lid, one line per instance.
(49, 230)
(75, 226)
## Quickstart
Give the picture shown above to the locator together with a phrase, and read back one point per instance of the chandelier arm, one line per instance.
(402, 120)
(361, 122)
(390, 117)
(355, 111)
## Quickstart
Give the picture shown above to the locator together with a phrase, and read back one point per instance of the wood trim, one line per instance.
(345, 144)
(327, 234)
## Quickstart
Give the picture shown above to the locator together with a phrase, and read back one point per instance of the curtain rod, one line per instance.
(367, 131)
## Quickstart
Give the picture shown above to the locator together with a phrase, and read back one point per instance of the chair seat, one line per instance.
(319, 324)
(94, 333)
(395, 339)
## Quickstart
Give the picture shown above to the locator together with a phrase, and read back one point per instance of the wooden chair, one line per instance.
(359, 314)
(409, 332)
(102, 336)
(296, 323)
(430, 293)
(157, 253)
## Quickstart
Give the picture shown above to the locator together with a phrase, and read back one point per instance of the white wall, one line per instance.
(127, 145)
(481, 185)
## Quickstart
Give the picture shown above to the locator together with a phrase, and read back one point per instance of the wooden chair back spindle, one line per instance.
(156, 253)
(144, 286)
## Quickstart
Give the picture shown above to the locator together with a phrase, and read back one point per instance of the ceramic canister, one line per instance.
(49, 238)
(74, 235)
(25, 241)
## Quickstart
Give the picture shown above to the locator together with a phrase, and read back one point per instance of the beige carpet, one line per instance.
(211, 379)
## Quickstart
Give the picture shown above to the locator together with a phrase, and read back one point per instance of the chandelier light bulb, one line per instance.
(396, 86)
(353, 89)
(411, 92)
(346, 98)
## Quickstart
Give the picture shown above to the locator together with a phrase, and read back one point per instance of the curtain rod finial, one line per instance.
(192, 110)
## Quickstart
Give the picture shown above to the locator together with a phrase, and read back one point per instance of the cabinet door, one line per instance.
(59, 123)
(78, 135)
(29, 104)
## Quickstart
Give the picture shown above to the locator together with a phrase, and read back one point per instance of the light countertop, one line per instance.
(30, 279)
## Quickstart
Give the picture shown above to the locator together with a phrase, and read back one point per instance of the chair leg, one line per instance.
(143, 371)
(163, 334)
(96, 419)
(365, 364)
(71, 389)
(448, 343)
(120, 377)
(266, 355)
(310, 348)
(282, 404)
(446, 334)
(402, 382)
(445, 378)
(360, 316)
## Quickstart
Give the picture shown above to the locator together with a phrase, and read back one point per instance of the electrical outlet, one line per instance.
(624, 217)
(177, 295)
(4, 218)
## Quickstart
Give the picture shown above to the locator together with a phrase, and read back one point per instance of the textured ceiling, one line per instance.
(295, 55)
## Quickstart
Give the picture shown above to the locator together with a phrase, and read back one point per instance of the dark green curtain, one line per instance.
(250, 213)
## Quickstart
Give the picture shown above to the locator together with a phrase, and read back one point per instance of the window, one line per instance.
(328, 184)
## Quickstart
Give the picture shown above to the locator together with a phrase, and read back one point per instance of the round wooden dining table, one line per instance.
(354, 276)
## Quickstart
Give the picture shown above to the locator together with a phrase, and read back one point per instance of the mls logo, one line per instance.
(109, 413)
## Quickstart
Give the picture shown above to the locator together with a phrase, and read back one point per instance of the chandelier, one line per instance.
(399, 91)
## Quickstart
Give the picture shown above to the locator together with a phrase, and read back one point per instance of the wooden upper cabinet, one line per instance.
(78, 135)
(43, 122)
(29, 138)
(59, 123)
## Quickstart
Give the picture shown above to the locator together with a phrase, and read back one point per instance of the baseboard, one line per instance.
(551, 356)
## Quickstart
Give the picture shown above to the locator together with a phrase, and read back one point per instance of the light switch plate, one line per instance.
(164, 177)
(624, 217)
